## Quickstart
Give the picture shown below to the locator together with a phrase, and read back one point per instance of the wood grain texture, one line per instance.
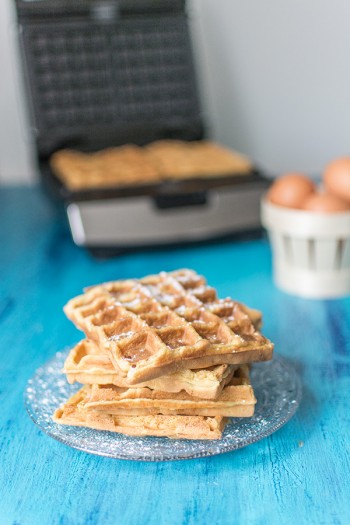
(275, 481)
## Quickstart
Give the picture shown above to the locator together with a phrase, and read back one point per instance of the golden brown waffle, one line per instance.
(178, 159)
(87, 365)
(110, 167)
(75, 413)
(155, 325)
(131, 164)
(236, 400)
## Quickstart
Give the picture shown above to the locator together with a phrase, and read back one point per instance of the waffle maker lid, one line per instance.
(107, 72)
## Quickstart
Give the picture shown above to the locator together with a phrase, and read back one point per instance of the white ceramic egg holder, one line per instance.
(311, 251)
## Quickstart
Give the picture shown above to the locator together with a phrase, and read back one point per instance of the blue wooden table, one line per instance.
(300, 474)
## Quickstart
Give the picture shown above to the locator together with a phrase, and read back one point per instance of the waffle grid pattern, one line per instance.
(85, 73)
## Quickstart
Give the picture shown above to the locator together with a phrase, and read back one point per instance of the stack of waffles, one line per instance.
(163, 356)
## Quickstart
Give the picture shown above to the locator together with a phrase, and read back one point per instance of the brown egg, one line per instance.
(325, 203)
(337, 178)
(291, 190)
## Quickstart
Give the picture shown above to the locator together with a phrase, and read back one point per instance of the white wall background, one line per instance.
(274, 78)
(16, 152)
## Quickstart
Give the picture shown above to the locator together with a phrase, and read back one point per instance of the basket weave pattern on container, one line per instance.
(311, 251)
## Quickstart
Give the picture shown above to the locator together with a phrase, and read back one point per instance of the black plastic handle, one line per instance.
(166, 201)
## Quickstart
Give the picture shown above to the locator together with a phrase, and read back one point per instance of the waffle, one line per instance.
(75, 413)
(178, 159)
(131, 164)
(124, 165)
(236, 400)
(87, 365)
(156, 325)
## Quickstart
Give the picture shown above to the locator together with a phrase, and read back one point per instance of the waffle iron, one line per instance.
(104, 73)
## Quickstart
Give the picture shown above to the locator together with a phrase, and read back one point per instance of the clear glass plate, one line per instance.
(277, 388)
